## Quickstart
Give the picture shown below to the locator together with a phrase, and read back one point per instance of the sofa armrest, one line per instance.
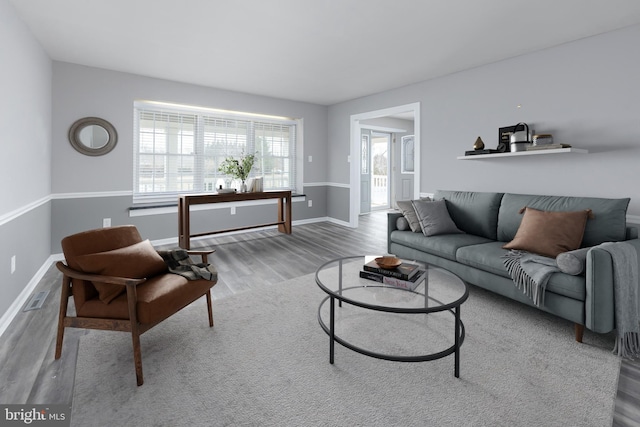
(392, 219)
(632, 232)
(599, 304)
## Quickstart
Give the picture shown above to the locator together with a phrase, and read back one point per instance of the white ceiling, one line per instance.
(318, 51)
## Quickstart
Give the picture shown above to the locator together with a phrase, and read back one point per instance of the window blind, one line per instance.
(178, 150)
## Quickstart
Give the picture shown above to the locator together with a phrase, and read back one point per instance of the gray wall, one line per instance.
(585, 93)
(25, 138)
(80, 183)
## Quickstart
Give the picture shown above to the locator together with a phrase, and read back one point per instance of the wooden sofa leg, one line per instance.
(579, 332)
(210, 309)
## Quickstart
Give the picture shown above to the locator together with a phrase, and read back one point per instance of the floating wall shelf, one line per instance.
(524, 153)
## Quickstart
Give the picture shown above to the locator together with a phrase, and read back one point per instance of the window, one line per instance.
(177, 149)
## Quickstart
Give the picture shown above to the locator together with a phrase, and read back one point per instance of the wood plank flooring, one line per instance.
(29, 373)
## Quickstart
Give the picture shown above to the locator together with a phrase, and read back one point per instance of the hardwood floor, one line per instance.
(29, 373)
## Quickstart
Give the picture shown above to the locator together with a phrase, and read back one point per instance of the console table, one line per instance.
(186, 201)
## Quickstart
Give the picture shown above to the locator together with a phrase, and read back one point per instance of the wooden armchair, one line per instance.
(120, 283)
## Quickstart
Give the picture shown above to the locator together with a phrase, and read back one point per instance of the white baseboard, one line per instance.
(19, 302)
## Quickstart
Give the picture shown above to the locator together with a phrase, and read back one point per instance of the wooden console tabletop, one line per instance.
(186, 201)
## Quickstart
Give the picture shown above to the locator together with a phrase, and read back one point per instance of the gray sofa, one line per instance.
(489, 220)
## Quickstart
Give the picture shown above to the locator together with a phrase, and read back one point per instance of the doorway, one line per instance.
(380, 170)
(359, 191)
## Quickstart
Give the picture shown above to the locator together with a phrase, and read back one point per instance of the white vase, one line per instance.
(243, 187)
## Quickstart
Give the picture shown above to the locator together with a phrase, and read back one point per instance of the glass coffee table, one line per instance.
(389, 322)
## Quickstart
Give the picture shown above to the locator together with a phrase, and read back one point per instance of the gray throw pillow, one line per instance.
(572, 262)
(434, 218)
(402, 224)
(409, 213)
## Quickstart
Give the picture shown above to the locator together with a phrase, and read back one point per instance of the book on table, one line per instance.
(410, 284)
(404, 271)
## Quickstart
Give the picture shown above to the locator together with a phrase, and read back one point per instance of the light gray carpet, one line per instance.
(265, 363)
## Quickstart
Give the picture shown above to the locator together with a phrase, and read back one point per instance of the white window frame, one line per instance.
(201, 184)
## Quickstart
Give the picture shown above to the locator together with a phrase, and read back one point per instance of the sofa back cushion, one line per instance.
(608, 222)
(473, 212)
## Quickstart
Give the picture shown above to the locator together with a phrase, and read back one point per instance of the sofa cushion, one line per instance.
(608, 224)
(549, 233)
(136, 261)
(444, 246)
(473, 212)
(434, 218)
(488, 257)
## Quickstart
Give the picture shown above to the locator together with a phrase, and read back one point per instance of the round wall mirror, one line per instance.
(93, 136)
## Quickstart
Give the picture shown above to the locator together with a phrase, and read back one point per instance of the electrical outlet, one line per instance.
(233, 210)
(106, 222)
(13, 264)
(310, 203)
(310, 159)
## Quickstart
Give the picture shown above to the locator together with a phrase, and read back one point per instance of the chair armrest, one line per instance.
(69, 272)
(202, 252)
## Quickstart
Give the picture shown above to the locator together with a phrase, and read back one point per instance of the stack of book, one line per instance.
(255, 185)
(406, 275)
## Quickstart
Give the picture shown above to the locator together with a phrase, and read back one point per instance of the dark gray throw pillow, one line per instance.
(434, 218)
(572, 262)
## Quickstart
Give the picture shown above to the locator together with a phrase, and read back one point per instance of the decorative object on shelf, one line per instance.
(542, 139)
(479, 144)
(504, 138)
(93, 136)
(520, 139)
(547, 147)
(239, 169)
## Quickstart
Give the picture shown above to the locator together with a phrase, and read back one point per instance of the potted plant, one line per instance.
(239, 169)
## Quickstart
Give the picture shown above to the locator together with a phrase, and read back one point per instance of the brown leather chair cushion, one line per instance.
(136, 261)
(158, 298)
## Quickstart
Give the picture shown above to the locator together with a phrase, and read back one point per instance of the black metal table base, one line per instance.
(333, 338)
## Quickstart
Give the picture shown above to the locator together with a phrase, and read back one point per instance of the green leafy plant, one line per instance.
(239, 169)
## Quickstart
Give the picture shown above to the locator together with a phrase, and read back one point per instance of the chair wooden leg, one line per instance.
(579, 332)
(209, 309)
(137, 357)
(135, 332)
(64, 302)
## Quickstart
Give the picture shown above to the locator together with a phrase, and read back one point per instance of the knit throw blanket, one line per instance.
(530, 273)
(178, 262)
(626, 298)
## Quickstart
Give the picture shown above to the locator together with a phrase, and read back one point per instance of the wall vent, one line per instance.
(36, 301)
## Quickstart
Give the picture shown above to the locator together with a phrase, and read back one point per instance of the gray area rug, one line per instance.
(266, 363)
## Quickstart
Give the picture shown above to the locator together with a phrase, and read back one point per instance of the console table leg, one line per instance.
(332, 321)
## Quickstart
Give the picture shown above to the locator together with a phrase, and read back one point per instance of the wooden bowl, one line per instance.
(388, 262)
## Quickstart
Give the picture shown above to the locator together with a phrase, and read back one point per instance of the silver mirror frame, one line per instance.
(79, 125)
